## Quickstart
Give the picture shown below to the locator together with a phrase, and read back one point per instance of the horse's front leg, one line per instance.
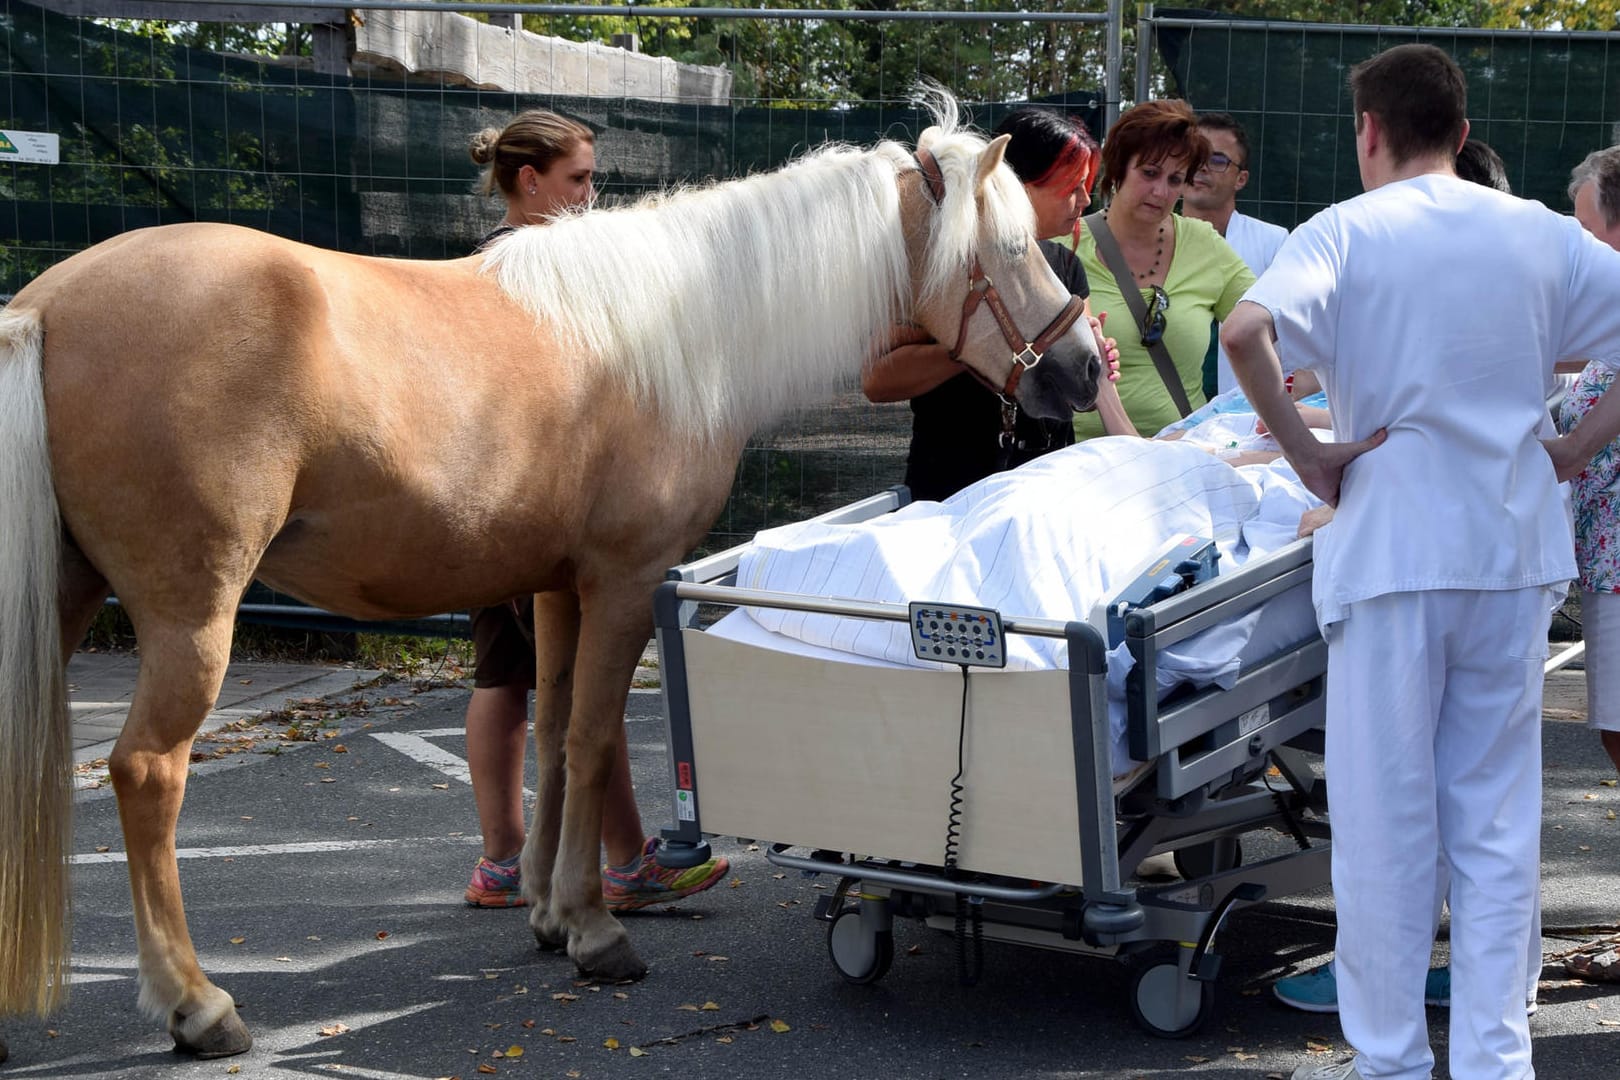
(181, 671)
(612, 636)
(556, 640)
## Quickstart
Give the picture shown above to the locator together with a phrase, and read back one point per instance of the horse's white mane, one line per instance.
(726, 305)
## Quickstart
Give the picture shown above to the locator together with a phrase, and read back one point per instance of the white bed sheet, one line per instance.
(1050, 539)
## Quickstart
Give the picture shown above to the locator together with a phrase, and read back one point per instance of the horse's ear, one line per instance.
(992, 156)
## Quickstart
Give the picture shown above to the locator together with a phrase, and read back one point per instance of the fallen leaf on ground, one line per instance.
(441, 787)
(780, 1026)
(636, 1051)
(381, 934)
(709, 1006)
(622, 996)
(724, 1039)
(237, 940)
(611, 1043)
(719, 959)
(514, 1051)
(334, 1029)
(486, 1068)
(563, 995)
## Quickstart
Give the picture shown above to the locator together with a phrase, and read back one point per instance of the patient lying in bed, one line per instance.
(1051, 539)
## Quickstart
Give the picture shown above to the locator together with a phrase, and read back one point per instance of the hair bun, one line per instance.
(482, 146)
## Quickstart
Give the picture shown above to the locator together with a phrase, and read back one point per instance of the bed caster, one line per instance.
(861, 943)
(1167, 1002)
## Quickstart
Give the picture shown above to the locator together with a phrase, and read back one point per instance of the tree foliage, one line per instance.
(823, 63)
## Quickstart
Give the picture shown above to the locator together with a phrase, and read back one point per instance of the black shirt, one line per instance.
(956, 426)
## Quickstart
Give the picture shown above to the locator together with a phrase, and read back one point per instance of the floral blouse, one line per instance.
(1596, 490)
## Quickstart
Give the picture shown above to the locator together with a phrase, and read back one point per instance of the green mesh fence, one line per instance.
(1541, 100)
(153, 133)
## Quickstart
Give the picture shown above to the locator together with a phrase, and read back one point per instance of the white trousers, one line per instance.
(1434, 753)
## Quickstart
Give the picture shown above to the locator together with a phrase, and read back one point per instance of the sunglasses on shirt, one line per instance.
(1153, 320)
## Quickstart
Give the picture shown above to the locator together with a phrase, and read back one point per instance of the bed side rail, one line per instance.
(1198, 740)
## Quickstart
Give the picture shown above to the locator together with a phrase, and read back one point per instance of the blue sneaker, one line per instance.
(1317, 990)
(1437, 991)
(1314, 991)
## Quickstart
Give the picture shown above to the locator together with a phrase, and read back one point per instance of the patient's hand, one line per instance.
(1313, 416)
(1314, 519)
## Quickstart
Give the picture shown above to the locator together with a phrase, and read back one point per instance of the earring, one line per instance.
(534, 191)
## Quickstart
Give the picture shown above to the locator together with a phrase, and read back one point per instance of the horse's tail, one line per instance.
(36, 748)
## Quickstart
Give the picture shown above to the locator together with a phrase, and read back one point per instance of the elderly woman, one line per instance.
(959, 433)
(1185, 273)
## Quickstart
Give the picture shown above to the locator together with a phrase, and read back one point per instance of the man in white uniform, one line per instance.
(1212, 197)
(1433, 584)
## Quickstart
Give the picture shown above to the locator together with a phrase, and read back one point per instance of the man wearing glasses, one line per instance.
(1212, 197)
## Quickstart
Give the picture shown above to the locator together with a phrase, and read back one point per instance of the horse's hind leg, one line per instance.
(556, 640)
(182, 665)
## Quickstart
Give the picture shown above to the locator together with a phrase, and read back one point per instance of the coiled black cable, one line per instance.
(966, 974)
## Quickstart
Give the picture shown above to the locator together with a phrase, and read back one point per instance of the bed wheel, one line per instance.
(861, 955)
(1202, 860)
(1166, 1003)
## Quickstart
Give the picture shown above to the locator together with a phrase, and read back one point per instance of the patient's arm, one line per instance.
(1313, 416)
(1111, 411)
(1303, 384)
(1314, 519)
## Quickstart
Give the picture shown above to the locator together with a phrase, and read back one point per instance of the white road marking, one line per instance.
(306, 847)
(416, 747)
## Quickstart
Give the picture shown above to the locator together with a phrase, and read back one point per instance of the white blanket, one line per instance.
(1051, 540)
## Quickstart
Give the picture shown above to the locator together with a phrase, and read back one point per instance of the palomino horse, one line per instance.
(185, 409)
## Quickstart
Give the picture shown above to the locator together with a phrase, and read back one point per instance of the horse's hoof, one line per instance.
(226, 1038)
(550, 940)
(616, 963)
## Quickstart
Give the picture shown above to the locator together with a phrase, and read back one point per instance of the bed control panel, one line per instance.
(1184, 562)
(953, 634)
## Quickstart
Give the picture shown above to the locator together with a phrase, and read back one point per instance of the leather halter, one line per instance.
(1025, 354)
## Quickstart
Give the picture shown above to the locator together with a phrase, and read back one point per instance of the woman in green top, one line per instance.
(1188, 274)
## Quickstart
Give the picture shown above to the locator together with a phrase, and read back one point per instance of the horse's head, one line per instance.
(982, 285)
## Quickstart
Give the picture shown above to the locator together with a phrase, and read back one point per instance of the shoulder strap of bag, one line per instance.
(1108, 251)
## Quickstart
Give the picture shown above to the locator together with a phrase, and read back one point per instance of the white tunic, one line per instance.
(1257, 243)
(1462, 495)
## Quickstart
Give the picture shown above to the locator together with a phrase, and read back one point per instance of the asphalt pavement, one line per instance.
(323, 852)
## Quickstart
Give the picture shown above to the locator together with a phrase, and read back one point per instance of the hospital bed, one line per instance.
(988, 802)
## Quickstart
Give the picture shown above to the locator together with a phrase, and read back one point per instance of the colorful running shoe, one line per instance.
(653, 884)
(494, 885)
